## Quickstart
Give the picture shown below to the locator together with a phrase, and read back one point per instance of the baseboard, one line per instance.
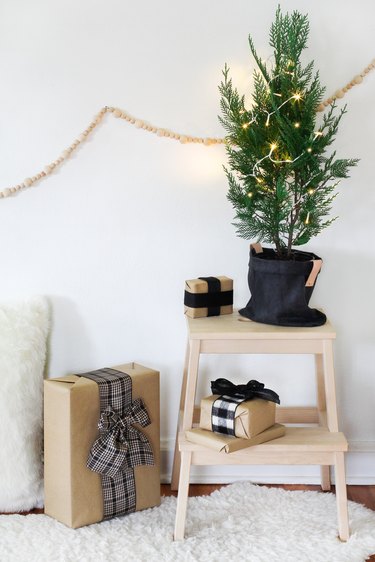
(360, 469)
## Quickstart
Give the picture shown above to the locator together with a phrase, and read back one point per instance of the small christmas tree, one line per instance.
(281, 184)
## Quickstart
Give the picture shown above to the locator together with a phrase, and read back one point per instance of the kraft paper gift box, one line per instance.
(251, 417)
(208, 296)
(73, 492)
(229, 443)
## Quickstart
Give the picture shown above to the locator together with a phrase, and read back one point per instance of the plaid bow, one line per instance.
(121, 445)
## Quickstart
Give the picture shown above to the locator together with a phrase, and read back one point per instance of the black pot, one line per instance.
(281, 289)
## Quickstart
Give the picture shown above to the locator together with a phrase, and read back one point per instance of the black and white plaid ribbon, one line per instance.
(120, 446)
(223, 414)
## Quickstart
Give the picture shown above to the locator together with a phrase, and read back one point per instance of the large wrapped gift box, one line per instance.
(251, 417)
(73, 492)
(208, 296)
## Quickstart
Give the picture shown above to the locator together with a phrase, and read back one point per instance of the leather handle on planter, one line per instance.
(317, 264)
(257, 247)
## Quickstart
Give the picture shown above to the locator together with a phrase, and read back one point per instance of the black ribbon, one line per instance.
(253, 389)
(213, 300)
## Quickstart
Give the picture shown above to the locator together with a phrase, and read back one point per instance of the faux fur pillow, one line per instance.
(23, 335)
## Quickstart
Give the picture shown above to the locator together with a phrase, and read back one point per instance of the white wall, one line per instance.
(111, 237)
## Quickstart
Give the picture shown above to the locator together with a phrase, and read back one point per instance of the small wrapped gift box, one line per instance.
(73, 408)
(230, 444)
(251, 417)
(208, 296)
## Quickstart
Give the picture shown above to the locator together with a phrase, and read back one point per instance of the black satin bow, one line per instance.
(253, 389)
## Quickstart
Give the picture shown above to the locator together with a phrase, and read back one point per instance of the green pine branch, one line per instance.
(281, 180)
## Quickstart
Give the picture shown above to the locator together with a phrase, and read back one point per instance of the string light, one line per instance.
(297, 96)
(288, 161)
(297, 125)
(307, 218)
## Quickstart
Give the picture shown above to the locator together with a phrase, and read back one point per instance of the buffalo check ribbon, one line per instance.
(120, 446)
(223, 414)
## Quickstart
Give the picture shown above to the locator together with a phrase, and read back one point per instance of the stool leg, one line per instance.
(341, 498)
(177, 456)
(183, 489)
(325, 476)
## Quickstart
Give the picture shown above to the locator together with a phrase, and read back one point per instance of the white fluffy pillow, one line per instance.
(23, 334)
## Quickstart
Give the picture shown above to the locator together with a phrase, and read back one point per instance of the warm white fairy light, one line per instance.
(307, 218)
(297, 96)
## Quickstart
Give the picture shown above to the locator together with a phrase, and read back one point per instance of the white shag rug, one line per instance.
(23, 333)
(241, 522)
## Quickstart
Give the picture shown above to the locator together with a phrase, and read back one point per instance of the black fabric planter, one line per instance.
(281, 289)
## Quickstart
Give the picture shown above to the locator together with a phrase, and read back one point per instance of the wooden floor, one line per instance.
(364, 495)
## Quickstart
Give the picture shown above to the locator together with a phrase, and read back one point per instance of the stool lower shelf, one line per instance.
(299, 445)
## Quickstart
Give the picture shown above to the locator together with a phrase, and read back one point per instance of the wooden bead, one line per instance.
(117, 113)
(28, 182)
(138, 123)
(183, 139)
(160, 132)
(66, 153)
(339, 94)
(358, 79)
(6, 192)
(207, 142)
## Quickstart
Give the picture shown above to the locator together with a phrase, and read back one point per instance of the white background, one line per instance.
(111, 236)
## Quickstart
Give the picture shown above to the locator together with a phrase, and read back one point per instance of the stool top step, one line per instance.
(235, 326)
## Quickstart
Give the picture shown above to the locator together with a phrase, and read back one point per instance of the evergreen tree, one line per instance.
(281, 182)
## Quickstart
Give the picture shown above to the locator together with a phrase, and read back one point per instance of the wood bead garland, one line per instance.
(159, 131)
